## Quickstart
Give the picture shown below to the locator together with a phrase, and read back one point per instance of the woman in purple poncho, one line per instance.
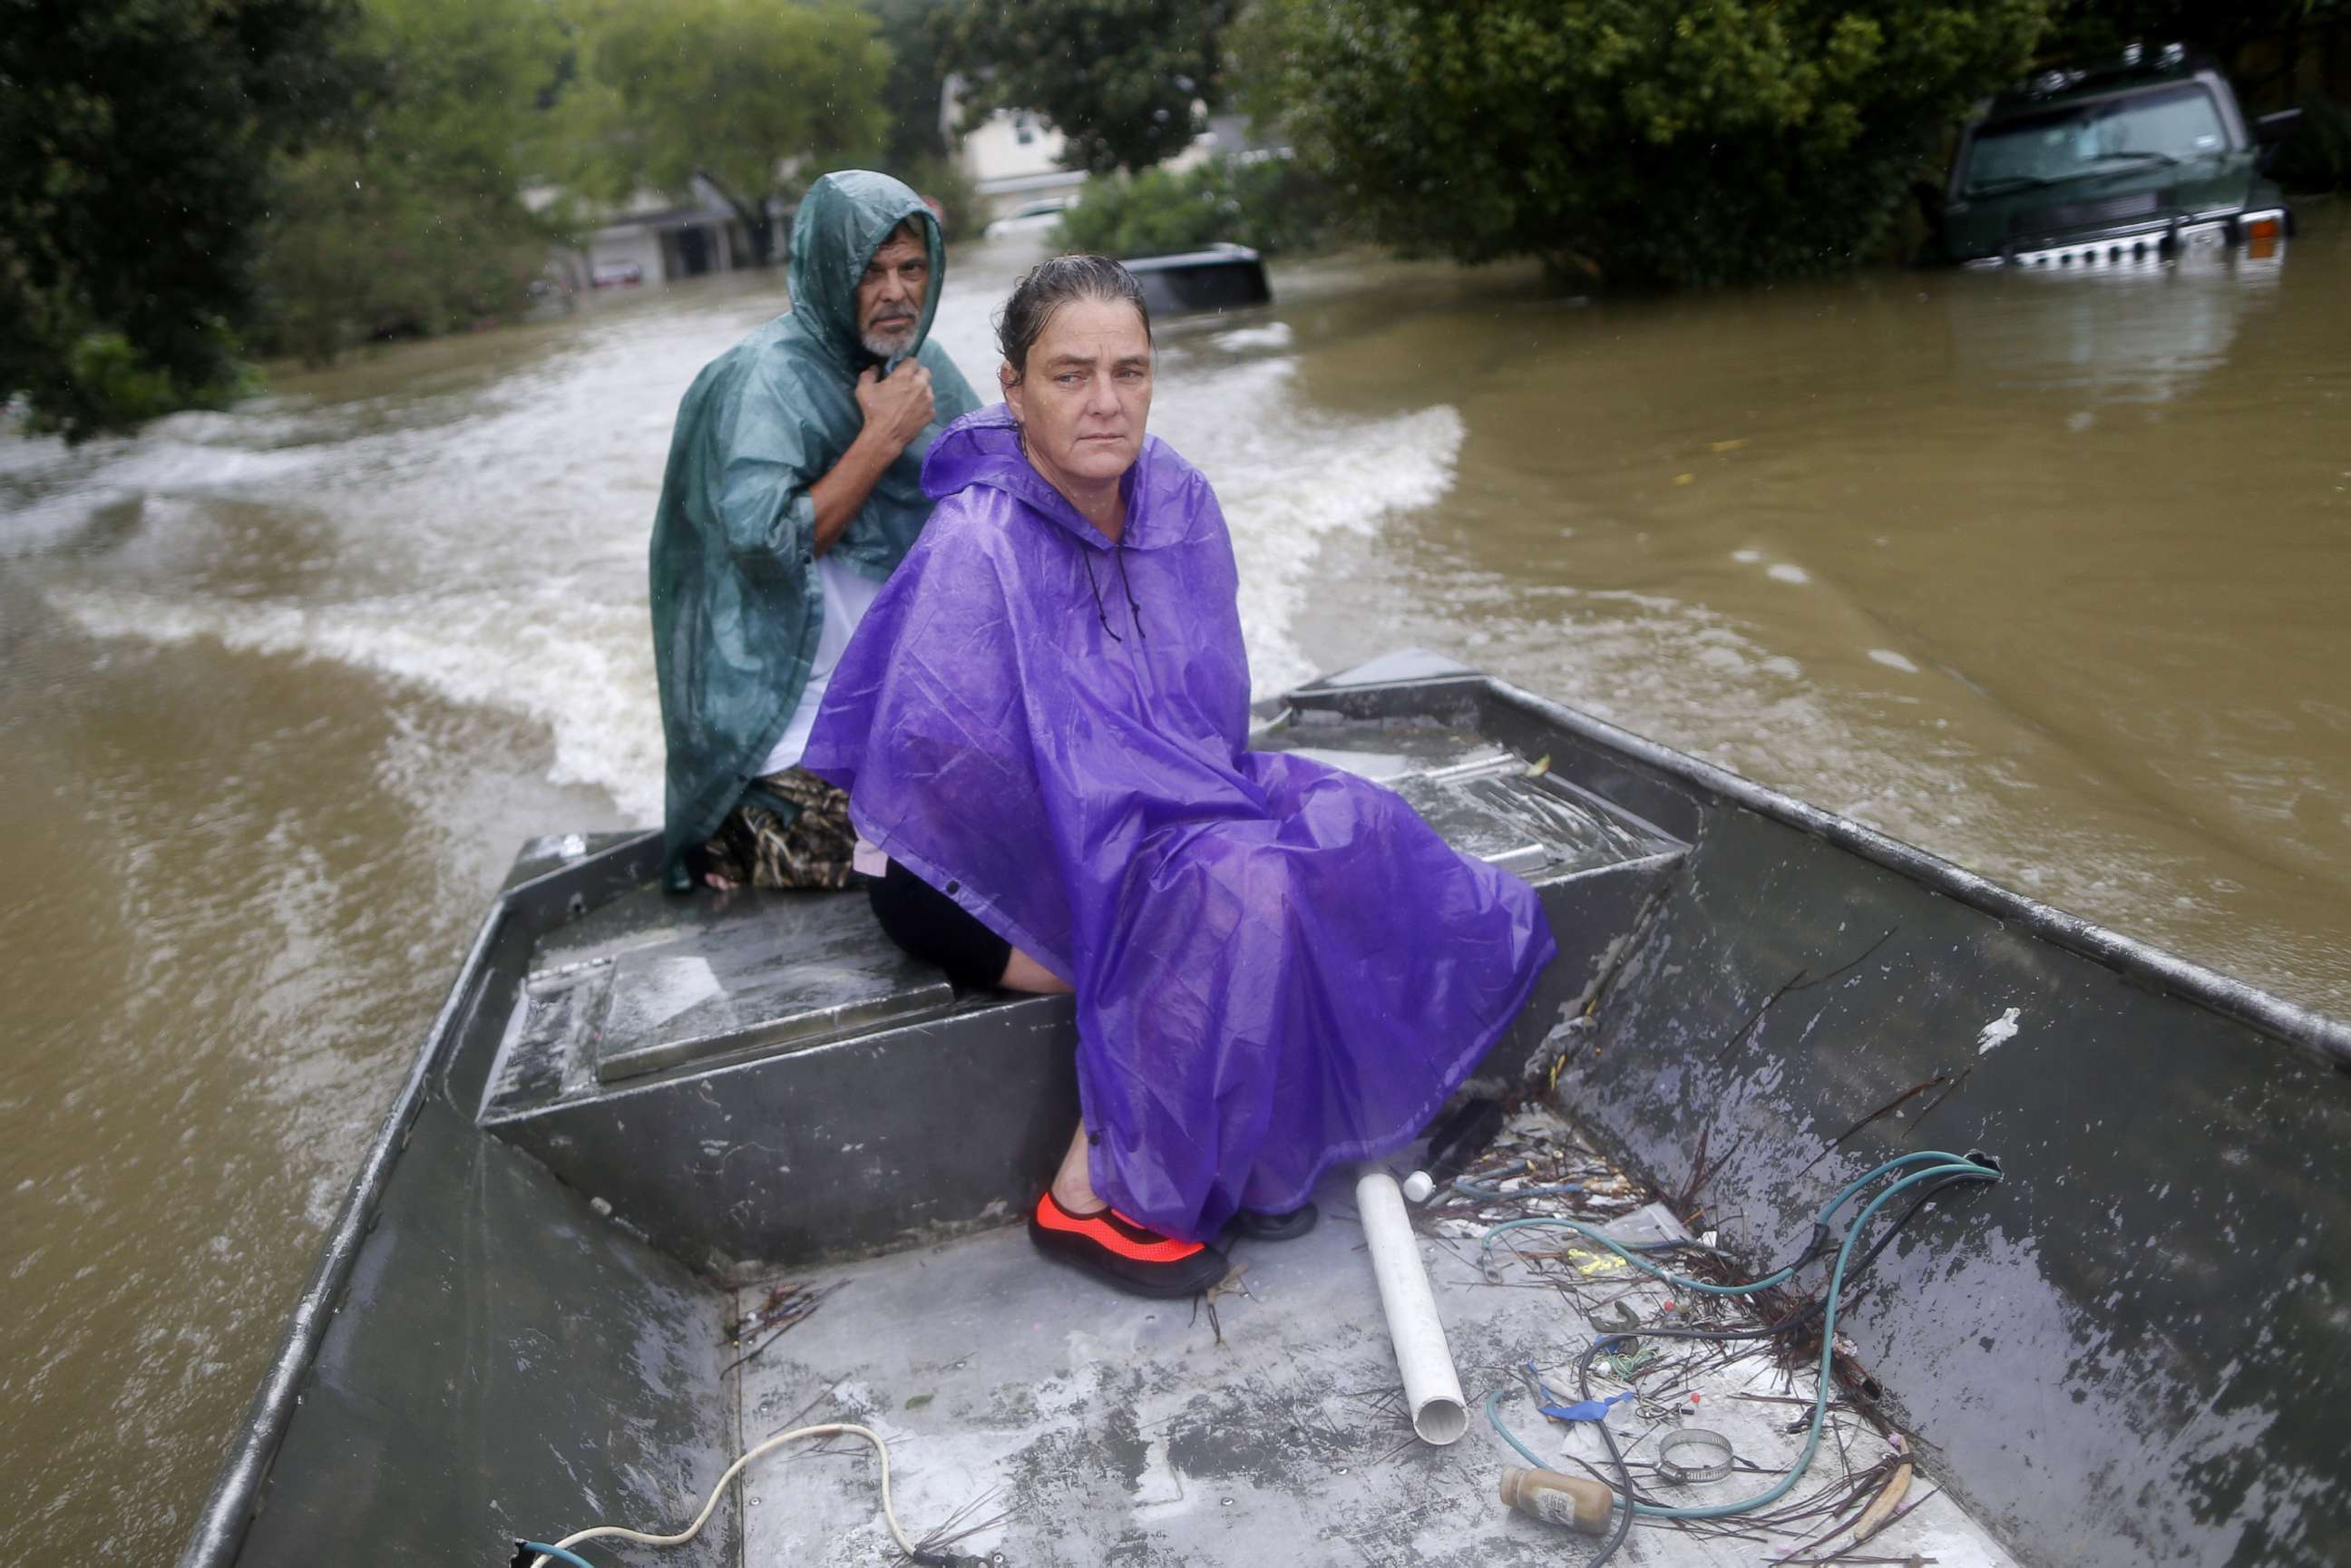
(1042, 724)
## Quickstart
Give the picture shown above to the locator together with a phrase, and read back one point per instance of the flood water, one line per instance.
(2047, 574)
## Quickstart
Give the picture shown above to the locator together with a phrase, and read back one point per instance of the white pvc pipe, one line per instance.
(1432, 1389)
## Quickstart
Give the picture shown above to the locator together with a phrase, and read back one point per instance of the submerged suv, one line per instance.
(2149, 157)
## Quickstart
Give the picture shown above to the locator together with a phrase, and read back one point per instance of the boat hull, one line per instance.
(2128, 1352)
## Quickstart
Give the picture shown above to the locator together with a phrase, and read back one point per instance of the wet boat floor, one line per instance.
(1034, 1413)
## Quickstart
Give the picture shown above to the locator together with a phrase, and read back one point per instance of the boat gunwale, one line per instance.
(229, 1508)
(2325, 1037)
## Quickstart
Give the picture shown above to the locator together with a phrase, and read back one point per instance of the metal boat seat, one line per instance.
(762, 1078)
(650, 983)
(817, 973)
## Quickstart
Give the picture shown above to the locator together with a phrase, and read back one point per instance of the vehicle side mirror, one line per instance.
(2270, 133)
(2271, 128)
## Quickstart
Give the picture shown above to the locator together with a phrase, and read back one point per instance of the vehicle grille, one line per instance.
(2081, 215)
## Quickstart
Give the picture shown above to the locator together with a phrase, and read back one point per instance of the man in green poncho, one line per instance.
(794, 486)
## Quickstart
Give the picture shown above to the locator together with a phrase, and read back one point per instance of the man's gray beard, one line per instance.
(888, 345)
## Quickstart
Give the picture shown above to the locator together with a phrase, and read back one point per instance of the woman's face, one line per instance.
(1086, 393)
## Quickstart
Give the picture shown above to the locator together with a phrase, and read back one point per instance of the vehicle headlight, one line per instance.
(2262, 232)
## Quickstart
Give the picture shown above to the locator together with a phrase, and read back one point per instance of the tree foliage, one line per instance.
(136, 143)
(2318, 156)
(1118, 79)
(754, 97)
(1636, 141)
(1269, 204)
(915, 147)
(918, 71)
(410, 217)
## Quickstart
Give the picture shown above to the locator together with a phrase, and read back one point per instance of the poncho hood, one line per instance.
(982, 450)
(842, 221)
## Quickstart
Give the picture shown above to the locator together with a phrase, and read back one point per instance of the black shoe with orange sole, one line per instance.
(1117, 1251)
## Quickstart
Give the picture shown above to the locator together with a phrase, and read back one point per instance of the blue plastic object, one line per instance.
(1584, 1410)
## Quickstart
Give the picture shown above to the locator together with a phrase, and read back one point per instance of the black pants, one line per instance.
(935, 928)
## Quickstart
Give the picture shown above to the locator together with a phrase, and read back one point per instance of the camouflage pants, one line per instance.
(756, 846)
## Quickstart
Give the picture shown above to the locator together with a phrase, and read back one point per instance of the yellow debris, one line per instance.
(1592, 1263)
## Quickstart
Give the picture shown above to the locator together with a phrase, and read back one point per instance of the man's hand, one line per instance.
(897, 410)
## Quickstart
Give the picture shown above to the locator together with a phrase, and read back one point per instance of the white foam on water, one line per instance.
(1239, 339)
(48, 491)
(1893, 661)
(1289, 476)
(584, 669)
(49, 520)
(168, 466)
(487, 545)
(482, 539)
(478, 619)
(1783, 572)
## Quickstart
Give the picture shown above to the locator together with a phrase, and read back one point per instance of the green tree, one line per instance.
(752, 96)
(1269, 204)
(412, 218)
(1636, 141)
(915, 148)
(1118, 79)
(136, 143)
(918, 72)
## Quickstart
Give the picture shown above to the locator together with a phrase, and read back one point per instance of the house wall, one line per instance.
(1011, 144)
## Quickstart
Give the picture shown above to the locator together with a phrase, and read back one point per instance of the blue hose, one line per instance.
(1479, 1190)
(1468, 1188)
(557, 1552)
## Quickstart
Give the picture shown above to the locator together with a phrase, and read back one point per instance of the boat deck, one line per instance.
(1034, 1413)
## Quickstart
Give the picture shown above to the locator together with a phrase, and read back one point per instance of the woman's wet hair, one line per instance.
(1050, 285)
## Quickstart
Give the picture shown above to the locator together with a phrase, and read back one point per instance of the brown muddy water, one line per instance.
(2047, 574)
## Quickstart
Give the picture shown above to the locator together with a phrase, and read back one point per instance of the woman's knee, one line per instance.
(1022, 973)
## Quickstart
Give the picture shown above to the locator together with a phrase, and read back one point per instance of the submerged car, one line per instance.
(1038, 216)
(2147, 159)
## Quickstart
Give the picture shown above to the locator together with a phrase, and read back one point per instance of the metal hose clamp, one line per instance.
(1692, 1454)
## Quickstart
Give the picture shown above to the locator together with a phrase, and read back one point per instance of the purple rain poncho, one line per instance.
(1278, 966)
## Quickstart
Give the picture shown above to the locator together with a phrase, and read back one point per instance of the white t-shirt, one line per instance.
(847, 595)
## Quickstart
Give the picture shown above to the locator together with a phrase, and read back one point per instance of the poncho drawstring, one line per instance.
(1087, 556)
(1133, 608)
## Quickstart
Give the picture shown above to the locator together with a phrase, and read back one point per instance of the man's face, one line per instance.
(889, 296)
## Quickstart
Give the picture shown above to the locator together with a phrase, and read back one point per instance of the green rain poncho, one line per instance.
(736, 604)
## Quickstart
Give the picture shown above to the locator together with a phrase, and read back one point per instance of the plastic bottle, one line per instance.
(1579, 1504)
